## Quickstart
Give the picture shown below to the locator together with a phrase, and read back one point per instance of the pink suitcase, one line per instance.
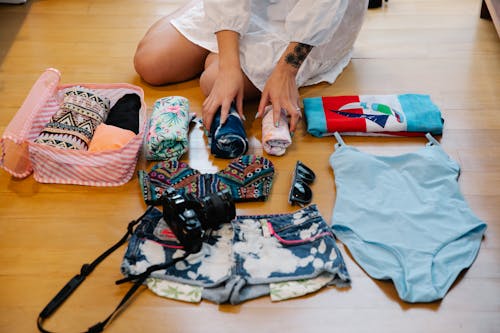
(21, 156)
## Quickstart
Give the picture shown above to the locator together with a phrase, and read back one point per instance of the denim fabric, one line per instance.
(240, 260)
(154, 243)
(228, 140)
(280, 247)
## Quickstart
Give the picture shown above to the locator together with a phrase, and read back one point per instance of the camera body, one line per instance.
(189, 217)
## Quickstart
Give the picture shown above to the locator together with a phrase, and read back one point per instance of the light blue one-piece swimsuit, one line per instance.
(404, 218)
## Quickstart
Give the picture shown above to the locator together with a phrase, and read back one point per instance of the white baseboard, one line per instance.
(16, 2)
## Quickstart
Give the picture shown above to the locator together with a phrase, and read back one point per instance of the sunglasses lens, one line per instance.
(304, 173)
(300, 193)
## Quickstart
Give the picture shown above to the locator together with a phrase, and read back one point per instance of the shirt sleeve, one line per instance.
(228, 14)
(315, 22)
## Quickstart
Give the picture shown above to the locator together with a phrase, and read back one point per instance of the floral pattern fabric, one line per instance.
(167, 137)
(280, 291)
(174, 290)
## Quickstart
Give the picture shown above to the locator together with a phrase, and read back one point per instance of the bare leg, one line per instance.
(207, 78)
(165, 56)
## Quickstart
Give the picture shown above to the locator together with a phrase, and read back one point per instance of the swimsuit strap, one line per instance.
(340, 141)
(432, 140)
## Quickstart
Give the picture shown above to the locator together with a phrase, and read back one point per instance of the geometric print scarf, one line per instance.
(74, 124)
(248, 178)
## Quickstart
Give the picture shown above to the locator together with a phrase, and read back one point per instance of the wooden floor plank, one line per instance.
(47, 231)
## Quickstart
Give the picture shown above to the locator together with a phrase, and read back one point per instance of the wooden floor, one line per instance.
(441, 48)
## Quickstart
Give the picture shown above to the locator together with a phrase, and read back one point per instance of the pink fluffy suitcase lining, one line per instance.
(21, 156)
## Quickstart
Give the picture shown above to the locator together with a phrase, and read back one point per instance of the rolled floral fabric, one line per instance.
(167, 137)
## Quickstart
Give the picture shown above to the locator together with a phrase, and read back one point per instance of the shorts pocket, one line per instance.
(297, 234)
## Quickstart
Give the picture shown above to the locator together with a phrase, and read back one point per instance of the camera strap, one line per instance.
(85, 271)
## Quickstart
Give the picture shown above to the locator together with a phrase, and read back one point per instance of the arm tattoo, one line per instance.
(299, 54)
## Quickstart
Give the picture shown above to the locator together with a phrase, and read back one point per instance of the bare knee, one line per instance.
(143, 68)
(208, 76)
(146, 66)
(207, 80)
(165, 56)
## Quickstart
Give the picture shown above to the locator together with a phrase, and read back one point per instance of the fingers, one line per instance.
(291, 109)
(224, 111)
(239, 107)
(206, 115)
(276, 115)
(264, 100)
(295, 116)
(208, 110)
(210, 107)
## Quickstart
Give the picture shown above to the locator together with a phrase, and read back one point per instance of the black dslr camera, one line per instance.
(189, 216)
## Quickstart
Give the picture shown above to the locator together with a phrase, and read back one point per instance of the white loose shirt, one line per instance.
(266, 27)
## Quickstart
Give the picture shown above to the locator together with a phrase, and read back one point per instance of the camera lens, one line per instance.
(189, 214)
(217, 208)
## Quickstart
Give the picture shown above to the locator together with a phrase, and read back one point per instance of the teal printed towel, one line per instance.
(167, 137)
(399, 115)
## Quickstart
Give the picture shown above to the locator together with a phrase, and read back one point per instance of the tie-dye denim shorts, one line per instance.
(282, 255)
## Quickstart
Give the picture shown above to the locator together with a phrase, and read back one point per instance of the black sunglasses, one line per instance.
(300, 192)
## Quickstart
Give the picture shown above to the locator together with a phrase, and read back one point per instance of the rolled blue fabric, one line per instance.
(228, 140)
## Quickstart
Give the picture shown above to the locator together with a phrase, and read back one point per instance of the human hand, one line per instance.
(228, 87)
(281, 91)
(229, 81)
